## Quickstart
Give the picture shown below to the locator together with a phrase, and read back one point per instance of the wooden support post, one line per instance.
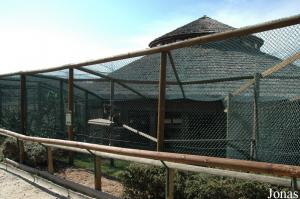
(39, 105)
(98, 173)
(161, 102)
(20, 144)
(111, 101)
(170, 184)
(86, 112)
(71, 110)
(50, 160)
(23, 103)
(228, 109)
(1, 95)
(23, 112)
(253, 152)
(111, 115)
(294, 184)
(61, 105)
(152, 129)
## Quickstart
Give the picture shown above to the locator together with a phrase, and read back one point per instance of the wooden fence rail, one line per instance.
(170, 160)
(224, 163)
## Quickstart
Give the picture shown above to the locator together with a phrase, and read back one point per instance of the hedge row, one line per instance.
(148, 182)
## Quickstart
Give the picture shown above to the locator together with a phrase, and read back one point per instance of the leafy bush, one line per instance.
(208, 186)
(143, 182)
(148, 182)
(35, 154)
(10, 149)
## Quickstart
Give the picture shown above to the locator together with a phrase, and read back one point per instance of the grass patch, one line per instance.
(87, 162)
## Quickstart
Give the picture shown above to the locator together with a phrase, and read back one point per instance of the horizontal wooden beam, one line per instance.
(125, 81)
(205, 81)
(281, 65)
(66, 81)
(240, 32)
(218, 80)
(113, 79)
(282, 181)
(277, 67)
(204, 140)
(224, 163)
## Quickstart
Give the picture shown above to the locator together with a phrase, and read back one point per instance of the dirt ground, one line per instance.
(13, 187)
(86, 178)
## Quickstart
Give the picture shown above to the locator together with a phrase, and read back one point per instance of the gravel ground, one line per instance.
(13, 187)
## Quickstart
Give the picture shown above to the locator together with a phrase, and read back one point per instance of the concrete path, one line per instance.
(15, 187)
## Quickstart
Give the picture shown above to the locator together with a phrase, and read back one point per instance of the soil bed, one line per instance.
(85, 177)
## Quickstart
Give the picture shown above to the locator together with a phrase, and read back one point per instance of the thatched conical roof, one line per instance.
(202, 26)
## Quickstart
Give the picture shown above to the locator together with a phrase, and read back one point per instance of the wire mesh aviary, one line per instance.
(236, 97)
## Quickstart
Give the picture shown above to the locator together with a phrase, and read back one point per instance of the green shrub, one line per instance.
(10, 149)
(207, 186)
(148, 182)
(35, 154)
(143, 182)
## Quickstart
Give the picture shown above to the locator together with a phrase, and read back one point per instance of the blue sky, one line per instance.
(40, 33)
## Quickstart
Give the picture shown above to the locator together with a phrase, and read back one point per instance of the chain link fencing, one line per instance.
(204, 114)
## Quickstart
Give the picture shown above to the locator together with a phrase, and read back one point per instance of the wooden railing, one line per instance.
(212, 165)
